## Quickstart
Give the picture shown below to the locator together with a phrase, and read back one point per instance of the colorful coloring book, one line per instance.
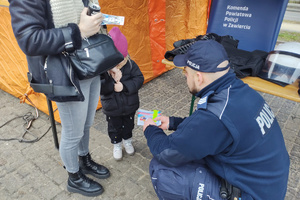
(143, 115)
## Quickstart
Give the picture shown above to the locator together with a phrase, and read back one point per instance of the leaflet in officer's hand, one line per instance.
(143, 115)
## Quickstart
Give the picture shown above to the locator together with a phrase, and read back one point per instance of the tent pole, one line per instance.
(53, 126)
(192, 105)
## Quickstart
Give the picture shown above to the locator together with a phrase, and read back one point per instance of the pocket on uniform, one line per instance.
(205, 184)
(168, 183)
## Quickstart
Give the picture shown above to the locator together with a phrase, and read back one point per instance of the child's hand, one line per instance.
(115, 73)
(118, 87)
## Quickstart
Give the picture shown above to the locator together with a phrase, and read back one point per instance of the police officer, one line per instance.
(233, 135)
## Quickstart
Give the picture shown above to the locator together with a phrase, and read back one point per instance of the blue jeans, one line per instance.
(77, 118)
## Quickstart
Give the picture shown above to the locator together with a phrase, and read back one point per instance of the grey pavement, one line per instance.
(290, 27)
(32, 171)
(292, 12)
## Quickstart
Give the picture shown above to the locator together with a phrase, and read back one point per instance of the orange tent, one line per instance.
(151, 27)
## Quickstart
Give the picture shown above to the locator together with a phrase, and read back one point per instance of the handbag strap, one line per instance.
(56, 90)
(69, 47)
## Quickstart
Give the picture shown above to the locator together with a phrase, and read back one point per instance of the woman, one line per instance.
(37, 26)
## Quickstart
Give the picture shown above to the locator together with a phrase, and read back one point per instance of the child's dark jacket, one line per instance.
(127, 101)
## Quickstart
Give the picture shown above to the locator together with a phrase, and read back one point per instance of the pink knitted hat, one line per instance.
(119, 40)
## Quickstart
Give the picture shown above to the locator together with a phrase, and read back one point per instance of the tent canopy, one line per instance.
(151, 27)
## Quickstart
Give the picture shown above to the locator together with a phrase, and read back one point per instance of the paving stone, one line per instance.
(12, 182)
(63, 196)
(282, 117)
(144, 194)
(48, 189)
(121, 191)
(293, 123)
(58, 175)
(44, 163)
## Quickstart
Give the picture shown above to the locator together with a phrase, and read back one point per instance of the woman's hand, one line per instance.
(89, 25)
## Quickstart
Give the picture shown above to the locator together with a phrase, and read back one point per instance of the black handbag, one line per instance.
(97, 55)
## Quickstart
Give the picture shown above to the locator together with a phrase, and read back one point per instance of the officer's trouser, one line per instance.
(192, 181)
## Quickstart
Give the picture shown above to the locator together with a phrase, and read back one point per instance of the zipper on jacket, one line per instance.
(87, 52)
(70, 74)
(86, 49)
(70, 71)
(87, 40)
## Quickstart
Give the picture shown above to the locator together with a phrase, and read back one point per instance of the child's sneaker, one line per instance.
(118, 151)
(128, 146)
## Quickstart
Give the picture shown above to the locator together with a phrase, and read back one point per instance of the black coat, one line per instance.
(126, 101)
(35, 33)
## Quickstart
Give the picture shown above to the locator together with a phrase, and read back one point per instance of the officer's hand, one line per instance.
(164, 122)
(147, 123)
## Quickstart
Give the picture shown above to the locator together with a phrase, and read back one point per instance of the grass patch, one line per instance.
(286, 36)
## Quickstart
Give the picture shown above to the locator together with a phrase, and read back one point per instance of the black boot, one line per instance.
(88, 166)
(79, 183)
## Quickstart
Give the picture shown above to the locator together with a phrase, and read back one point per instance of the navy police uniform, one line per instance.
(233, 135)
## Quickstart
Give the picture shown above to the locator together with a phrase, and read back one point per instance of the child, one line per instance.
(120, 99)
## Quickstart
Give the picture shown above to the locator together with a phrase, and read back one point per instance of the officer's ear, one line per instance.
(199, 78)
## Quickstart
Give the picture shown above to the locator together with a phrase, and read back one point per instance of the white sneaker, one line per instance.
(128, 146)
(118, 151)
